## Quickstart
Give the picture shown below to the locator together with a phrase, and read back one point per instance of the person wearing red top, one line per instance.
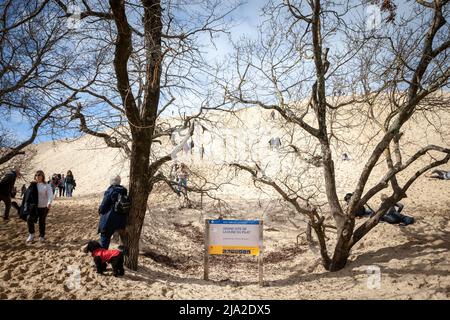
(104, 256)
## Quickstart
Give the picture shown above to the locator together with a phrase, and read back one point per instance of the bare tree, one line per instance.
(33, 56)
(382, 77)
(22, 160)
(151, 64)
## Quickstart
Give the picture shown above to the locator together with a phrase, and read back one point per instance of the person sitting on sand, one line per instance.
(345, 157)
(393, 215)
(110, 220)
(440, 174)
(361, 211)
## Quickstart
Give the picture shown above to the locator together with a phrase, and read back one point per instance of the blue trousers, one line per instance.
(69, 189)
(105, 239)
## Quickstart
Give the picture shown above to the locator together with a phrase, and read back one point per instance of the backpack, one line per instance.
(29, 204)
(122, 205)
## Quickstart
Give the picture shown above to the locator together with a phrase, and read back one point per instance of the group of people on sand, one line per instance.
(114, 208)
(392, 216)
(37, 199)
(60, 184)
(64, 185)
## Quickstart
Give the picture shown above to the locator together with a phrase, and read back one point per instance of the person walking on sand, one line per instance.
(69, 183)
(110, 220)
(7, 188)
(173, 172)
(54, 183)
(61, 186)
(40, 200)
(182, 174)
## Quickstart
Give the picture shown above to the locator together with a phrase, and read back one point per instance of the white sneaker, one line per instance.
(30, 237)
(41, 239)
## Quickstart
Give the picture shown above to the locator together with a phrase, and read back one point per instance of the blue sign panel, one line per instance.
(233, 221)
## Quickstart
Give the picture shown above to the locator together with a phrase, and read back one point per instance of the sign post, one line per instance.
(234, 237)
(261, 255)
(206, 256)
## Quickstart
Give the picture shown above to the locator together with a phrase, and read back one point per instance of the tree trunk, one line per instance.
(130, 239)
(141, 118)
(342, 249)
(139, 192)
(320, 233)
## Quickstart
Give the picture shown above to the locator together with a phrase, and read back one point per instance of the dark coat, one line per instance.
(69, 179)
(29, 202)
(111, 221)
(7, 183)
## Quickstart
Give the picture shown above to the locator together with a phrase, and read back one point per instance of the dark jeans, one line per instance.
(61, 191)
(392, 218)
(7, 201)
(41, 216)
(105, 239)
(397, 217)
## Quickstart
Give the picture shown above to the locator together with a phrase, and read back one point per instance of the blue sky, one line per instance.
(246, 18)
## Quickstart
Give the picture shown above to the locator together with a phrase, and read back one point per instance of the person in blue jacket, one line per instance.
(110, 220)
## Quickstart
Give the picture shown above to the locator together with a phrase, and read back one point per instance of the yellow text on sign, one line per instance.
(254, 251)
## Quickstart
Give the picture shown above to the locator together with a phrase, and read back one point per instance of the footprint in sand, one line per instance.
(20, 277)
(23, 268)
(5, 275)
(13, 262)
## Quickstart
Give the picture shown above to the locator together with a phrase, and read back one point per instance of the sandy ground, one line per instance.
(414, 261)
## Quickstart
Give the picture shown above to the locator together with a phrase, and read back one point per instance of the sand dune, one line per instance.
(414, 261)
